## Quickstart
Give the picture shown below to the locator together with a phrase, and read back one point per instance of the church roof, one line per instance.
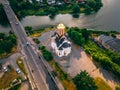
(61, 41)
(61, 26)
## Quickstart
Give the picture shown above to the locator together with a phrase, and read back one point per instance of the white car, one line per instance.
(27, 43)
(5, 69)
(18, 70)
(16, 23)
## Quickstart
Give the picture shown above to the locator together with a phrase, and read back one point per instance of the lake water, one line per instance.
(108, 18)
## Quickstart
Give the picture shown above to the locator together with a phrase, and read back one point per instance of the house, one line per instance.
(82, 1)
(109, 42)
(51, 1)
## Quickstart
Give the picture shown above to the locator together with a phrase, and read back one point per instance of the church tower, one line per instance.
(61, 30)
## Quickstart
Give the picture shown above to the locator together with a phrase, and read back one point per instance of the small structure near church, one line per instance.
(60, 43)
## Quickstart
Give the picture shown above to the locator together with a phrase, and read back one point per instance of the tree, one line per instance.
(28, 29)
(46, 54)
(2, 35)
(52, 10)
(83, 81)
(3, 17)
(87, 10)
(113, 35)
(98, 6)
(36, 6)
(76, 9)
(85, 33)
(76, 36)
(91, 3)
(7, 43)
(12, 39)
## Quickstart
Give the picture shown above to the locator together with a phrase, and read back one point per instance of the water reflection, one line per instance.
(106, 19)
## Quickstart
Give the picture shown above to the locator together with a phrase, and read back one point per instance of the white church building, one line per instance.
(59, 42)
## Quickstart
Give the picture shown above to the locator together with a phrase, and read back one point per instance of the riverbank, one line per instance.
(23, 8)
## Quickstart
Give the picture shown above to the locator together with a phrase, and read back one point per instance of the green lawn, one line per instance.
(21, 65)
(102, 85)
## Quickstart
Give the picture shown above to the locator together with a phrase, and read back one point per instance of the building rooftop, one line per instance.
(114, 45)
(110, 42)
(105, 38)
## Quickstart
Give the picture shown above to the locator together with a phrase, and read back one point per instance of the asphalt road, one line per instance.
(38, 74)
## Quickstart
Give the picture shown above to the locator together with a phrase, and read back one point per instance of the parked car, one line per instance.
(5, 69)
(18, 70)
(27, 43)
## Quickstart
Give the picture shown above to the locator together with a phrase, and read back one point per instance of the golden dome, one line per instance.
(61, 26)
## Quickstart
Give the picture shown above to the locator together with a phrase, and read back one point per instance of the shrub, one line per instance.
(46, 54)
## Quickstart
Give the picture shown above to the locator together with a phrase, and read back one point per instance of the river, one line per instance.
(107, 18)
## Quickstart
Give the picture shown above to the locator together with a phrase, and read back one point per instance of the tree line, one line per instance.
(23, 8)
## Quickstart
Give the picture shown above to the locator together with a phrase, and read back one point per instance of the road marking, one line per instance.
(38, 69)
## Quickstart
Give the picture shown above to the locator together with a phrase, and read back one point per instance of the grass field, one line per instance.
(64, 78)
(102, 85)
(7, 78)
(21, 65)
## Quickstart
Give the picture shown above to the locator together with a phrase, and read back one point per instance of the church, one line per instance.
(59, 42)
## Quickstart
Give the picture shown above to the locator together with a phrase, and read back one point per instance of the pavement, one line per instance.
(11, 60)
(78, 61)
(25, 86)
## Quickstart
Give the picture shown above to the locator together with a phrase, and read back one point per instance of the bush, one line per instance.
(36, 40)
(46, 54)
(42, 48)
